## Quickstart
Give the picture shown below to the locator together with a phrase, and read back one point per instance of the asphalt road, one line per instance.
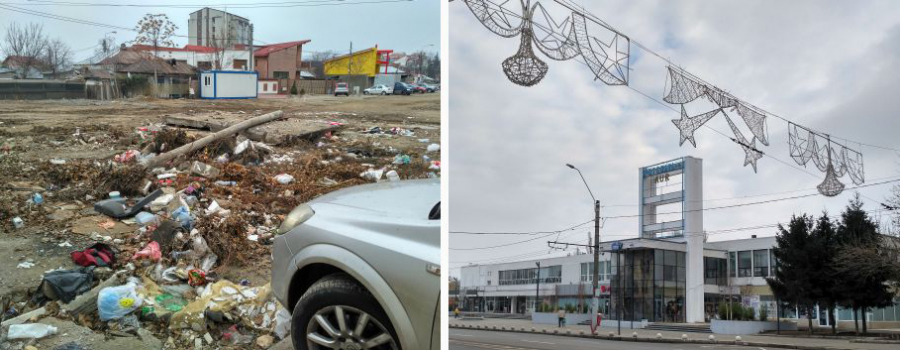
(464, 339)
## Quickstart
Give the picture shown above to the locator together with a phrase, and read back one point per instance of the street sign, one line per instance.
(616, 245)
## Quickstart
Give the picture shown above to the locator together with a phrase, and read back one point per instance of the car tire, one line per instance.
(333, 295)
(365, 92)
(383, 93)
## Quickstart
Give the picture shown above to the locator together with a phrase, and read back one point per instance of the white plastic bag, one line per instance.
(115, 302)
(284, 179)
(282, 323)
(30, 330)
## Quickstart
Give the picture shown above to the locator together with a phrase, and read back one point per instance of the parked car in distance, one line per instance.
(428, 88)
(434, 87)
(341, 89)
(378, 90)
(401, 89)
(359, 268)
(418, 88)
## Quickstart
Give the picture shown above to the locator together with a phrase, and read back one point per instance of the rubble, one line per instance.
(193, 262)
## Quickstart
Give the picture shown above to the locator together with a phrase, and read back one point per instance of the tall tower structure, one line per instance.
(671, 208)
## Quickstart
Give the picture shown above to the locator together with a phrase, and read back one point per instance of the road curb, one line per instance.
(582, 334)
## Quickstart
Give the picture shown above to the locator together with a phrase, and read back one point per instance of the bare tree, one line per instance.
(24, 44)
(317, 61)
(156, 31)
(57, 56)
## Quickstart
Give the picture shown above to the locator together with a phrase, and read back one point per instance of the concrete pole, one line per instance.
(537, 289)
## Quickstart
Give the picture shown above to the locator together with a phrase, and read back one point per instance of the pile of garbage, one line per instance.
(185, 219)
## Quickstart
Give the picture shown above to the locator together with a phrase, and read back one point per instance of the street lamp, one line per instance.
(596, 277)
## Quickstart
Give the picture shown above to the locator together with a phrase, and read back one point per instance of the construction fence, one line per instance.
(41, 90)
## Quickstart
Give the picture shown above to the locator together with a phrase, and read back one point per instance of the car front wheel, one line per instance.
(338, 313)
(383, 93)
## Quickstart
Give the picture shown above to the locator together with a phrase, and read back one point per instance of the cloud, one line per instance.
(827, 65)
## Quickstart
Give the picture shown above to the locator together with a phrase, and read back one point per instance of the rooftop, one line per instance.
(266, 50)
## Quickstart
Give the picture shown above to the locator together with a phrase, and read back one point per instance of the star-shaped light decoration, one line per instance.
(687, 125)
(751, 154)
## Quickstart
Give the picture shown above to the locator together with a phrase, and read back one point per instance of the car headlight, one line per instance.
(297, 216)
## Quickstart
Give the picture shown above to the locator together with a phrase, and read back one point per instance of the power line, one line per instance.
(570, 5)
(524, 241)
(523, 233)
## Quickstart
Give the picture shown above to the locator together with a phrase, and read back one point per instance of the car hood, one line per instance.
(402, 199)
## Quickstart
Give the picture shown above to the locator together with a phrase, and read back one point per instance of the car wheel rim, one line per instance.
(347, 328)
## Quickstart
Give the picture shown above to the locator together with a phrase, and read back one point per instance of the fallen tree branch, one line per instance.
(199, 144)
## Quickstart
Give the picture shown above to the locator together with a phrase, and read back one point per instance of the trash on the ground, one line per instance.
(183, 216)
(282, 323)
(392, 176)
(64, 285)
(265, 341)
(98, 254)
(25, 265)
(115, 194)
(127, 156)
(151, 251)
(196, 277)
(146, 219)
(284, 179)
(116, 208)
(107, 225)
(18, 222)
(326, 182)
(116, 302)
(56, 161)
(401, 159)
(372, 174)
(204, 170)
(65, 244)
(433, 147)
(214, 208)
(37, 198)
(435, 165)
(30, 331)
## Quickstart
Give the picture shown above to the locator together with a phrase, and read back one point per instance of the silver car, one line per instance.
(360, 268)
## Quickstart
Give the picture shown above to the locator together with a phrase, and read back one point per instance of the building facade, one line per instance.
(281, 61)
(201, 57)
(669, 273)
(206, 25)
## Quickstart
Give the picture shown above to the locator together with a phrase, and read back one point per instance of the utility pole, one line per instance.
(350, 61)
(537, 289)
(596, 274)
(250, 49)
(619, 279)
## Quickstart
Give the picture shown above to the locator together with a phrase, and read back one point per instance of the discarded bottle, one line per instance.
(226, 183)
(30, 330)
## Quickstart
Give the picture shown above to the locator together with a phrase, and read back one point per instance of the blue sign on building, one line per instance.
(616, 245)
(664, 168)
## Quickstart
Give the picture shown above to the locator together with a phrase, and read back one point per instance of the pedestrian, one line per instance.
(562, 317)
(456, 312)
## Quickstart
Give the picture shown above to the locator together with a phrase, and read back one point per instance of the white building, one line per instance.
(227, 29)
(202, 57)
(669, 274)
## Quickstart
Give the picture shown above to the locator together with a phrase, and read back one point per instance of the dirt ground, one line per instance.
(37, 136)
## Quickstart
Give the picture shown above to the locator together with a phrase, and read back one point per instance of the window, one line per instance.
(744, 263)
(772, 264)
(761, 263)
(732, 263)
(550, 274)
(587, 271)
(280, 75)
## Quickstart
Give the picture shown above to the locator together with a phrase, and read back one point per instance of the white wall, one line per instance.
(192, 58)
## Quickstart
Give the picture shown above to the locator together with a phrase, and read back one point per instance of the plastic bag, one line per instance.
(151, 251)
(30, 330)
(284, 179)
(433, 147)
(115, 302)
(282, 323)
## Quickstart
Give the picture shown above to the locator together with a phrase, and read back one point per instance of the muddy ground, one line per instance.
(36, 136)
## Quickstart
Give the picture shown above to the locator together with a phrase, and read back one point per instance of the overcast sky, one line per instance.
(330, 27)
(830, 65)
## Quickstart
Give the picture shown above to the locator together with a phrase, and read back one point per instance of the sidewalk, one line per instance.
(650, 335)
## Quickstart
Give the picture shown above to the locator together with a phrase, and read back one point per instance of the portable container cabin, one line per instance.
(221, 84)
